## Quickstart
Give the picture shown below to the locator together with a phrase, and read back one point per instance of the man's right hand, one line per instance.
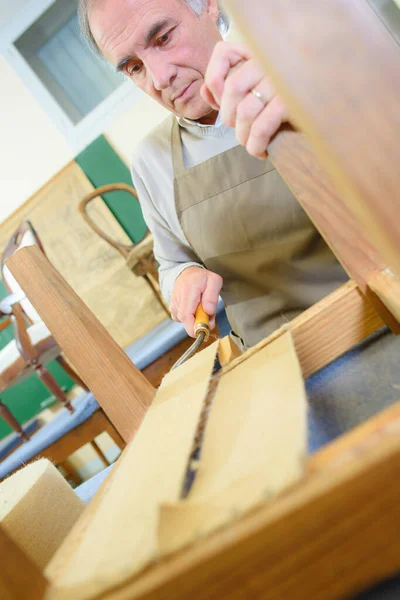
(193, 285)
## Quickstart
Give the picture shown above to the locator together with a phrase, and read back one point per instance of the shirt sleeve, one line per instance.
(171, 252)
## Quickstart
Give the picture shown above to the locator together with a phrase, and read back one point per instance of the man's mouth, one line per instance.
(182, 93)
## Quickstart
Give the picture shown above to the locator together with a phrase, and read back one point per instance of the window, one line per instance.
(79, 91)
(389, 12)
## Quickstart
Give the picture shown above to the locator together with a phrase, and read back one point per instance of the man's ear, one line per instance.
(213, 10)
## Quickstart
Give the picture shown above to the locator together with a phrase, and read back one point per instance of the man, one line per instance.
(223, 221)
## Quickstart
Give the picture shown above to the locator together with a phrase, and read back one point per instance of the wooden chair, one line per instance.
(28, 354)
(33, 347)
(139, 257)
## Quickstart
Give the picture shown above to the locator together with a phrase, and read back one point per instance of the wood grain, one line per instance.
(341, 85)
(331, 536)
(19, 577)
(292, 155)
(254, 445)
(121, 537)
(326, 330)
(386, 286)
(122, 391)
(122, 302)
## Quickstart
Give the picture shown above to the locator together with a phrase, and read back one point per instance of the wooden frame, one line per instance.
(336, 531)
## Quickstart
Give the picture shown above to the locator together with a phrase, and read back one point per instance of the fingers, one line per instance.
(209, 299)
(192, 287)
(224, 57)
(238, 86)
(190, 298)
(264, 127)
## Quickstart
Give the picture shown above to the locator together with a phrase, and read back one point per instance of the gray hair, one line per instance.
(197, 6)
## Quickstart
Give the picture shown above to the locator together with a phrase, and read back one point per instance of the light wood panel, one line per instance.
(254, 445)
(121, 390)
(343, 520)
(19, 577)
(338, 69)
(121, 537)
(122, 302)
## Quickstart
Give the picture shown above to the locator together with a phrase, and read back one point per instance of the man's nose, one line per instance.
(162, 74)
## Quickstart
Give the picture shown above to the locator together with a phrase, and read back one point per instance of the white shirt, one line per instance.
(153, 178)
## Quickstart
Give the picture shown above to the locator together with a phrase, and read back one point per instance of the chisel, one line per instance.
(202, 333)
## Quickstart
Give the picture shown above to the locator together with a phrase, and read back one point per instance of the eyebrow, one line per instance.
(153, 31)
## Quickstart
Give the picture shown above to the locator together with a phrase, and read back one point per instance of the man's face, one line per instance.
(162, 46)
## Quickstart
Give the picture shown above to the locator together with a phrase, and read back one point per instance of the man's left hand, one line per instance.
(237, 86)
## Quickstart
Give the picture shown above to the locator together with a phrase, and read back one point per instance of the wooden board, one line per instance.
(19, 577)
(386, 286)
(341, 83)
(254, 445)
(123, 303)
(292, 155)
(330, 537)
(121, 537)
(121, 390)
(327, 330)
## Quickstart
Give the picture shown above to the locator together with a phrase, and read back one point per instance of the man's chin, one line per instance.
(206, 114)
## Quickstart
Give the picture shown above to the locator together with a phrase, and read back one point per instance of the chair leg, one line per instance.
(70, 371)
(47, 378)
(71, 473)
(100, 453)
(9, 418)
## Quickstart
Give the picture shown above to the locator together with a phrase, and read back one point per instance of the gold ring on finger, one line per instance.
(259, 96)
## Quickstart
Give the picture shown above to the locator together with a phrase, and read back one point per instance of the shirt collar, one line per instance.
(183, 122)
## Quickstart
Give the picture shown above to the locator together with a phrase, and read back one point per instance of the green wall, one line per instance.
(102, 165)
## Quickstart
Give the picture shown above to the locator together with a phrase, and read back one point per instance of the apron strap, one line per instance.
(176, 149)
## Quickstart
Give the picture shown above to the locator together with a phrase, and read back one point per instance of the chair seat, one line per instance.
(13, 368)
(85, 405)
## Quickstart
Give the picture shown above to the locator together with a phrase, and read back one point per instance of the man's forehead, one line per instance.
(117, 22)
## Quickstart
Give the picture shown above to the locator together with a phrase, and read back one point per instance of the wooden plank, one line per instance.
(342, 87)
(330, 537)
(19, 577)
(227, 350)
(292, 155)
(386, 286)
(326, 330)
(254, 445)
(121, 537)
(122, 391)
(83, 434)
(156, 371)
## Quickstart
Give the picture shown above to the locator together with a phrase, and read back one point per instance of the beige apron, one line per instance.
(244, 223)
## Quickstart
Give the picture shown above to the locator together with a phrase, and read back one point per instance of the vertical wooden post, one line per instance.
(19, 577)
(338, 69)
(120, 388)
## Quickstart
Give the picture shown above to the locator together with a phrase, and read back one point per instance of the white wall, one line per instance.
(126, 131)
(31, 149)
(8, 9)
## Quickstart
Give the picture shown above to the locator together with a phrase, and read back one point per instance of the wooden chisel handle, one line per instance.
(202, 322)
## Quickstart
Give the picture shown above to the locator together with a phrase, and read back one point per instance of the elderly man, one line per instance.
(223, 221)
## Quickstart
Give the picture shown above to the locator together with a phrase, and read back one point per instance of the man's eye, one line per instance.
(134, 69)
(161, 41)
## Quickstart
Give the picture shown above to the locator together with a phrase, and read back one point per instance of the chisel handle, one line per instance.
(202, 322)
